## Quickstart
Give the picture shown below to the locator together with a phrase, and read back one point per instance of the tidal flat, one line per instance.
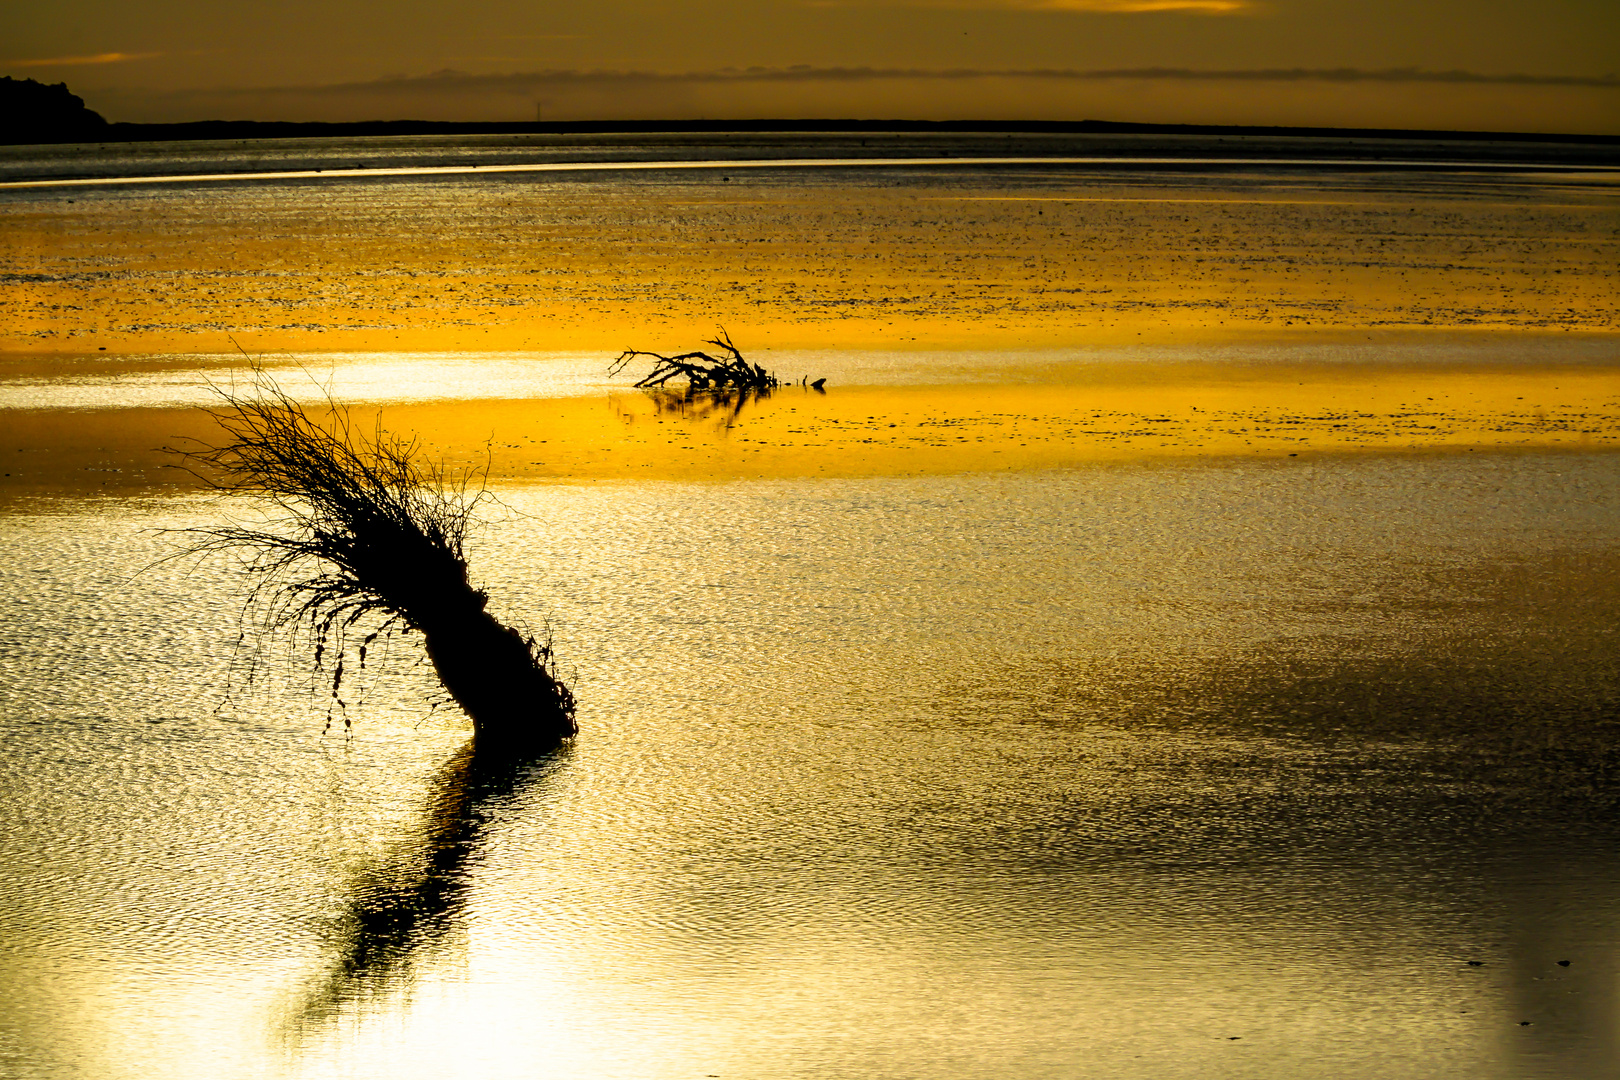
(1180, 642)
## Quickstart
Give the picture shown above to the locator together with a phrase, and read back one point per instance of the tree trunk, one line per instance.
(500, 684)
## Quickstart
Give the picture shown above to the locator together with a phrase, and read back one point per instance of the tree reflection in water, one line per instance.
(406, 907)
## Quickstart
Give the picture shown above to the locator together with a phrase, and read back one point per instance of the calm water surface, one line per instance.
(1195, 770)
(1296, 768)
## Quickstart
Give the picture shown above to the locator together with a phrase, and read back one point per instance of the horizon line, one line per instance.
(790, 163)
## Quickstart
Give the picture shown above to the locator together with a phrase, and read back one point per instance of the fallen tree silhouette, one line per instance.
(364, 534)
(701, 371)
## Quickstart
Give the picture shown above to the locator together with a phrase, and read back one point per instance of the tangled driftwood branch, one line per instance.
(731, 371)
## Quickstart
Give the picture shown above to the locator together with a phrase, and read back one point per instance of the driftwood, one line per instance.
(729, 371)
(363, 534)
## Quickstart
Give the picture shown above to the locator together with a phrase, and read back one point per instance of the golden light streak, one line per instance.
(81, 61)
(1104, 7)
(1083, 413)
(1132, 7)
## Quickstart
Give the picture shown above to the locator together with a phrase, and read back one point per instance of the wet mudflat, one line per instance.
(1042, 256)
(1218, 706)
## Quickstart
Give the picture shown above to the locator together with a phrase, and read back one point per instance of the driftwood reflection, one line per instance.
(718, 407)
(410, 904)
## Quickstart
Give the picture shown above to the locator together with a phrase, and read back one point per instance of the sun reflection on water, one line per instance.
(407, 907)
(1168, 769)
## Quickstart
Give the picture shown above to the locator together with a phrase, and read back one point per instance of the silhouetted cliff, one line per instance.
(36, 112)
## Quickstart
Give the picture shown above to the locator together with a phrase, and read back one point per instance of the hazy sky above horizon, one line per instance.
(1472, 64)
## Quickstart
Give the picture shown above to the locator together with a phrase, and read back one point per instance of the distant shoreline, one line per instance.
(201, 130)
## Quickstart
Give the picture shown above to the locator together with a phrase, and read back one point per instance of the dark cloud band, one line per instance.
(525, 82)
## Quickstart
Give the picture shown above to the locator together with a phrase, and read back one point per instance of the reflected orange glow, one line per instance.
(1086, 413)
(1121, 769)
(1114, 414)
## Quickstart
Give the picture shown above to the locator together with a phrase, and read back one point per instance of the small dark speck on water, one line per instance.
(1561, 963)
(1524, 1023)
(1476, 963)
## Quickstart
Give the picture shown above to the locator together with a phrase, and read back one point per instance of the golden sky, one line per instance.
(1547, 65)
